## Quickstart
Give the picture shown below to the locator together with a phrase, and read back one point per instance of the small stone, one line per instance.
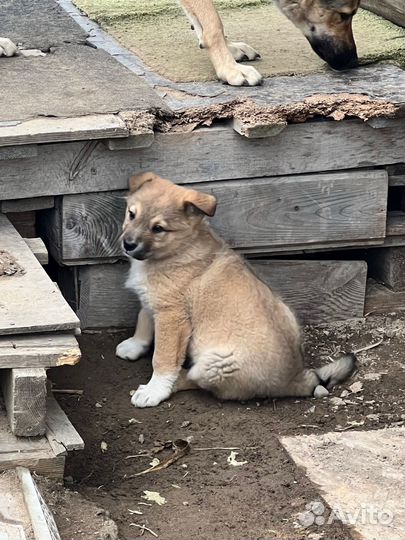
(345, 393)
(320, 391)
(185, 424)
(337, 401)
(356, 387)
(98, 405)
(141, 438)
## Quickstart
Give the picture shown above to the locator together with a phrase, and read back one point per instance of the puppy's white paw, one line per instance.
(237, 75)
(242, 51)
(158, 389)
(7, 47)
(131, 349)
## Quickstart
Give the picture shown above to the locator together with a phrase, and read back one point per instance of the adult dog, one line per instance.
(327, 25)
(199, 297)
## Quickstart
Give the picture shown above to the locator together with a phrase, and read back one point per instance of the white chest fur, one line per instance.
(137, 281)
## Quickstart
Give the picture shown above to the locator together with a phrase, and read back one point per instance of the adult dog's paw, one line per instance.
(242, 51)
(7, 47)
(131, 349)
(237, 75)
(158, 389)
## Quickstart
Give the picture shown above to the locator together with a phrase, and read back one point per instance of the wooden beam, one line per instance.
(46, 130)
(26, 205)
(24, 392)
(141, 140)
(255, 215)
(318, 291)
(393, 10)
(38, 351)
(30, 301)
(388, 266)
(216, 153)
(381, 299)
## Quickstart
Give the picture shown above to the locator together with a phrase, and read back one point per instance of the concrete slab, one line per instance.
(362, 478)
(15, 523)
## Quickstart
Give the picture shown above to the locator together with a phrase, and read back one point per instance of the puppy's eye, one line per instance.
(345, 16)
(157, 229)
(131, 215)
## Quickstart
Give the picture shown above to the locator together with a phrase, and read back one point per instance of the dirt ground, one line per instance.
(207, 497)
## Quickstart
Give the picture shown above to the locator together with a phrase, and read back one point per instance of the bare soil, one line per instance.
(207, 497)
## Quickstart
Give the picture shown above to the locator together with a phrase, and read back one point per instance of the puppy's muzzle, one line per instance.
(135, 250)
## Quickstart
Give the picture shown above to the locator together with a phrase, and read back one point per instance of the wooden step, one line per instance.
(29, 301)
(38, 351)
(43, 455)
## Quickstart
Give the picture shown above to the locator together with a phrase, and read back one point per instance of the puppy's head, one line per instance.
(162, 218)
(327, 25)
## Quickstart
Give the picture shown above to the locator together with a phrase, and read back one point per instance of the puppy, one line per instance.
(199, 297)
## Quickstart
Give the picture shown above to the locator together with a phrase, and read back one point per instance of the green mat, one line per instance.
(159, 33)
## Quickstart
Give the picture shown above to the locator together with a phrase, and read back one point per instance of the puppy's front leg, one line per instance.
(210, 32)
(172, 333)
(136, 346)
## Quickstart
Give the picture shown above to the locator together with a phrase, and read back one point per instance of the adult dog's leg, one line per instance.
(136, 346)
(173, 330)
(210, 33)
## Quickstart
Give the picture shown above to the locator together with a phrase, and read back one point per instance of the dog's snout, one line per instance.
(338, 56)
(129, 245)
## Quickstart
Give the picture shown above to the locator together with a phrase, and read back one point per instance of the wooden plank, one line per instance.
(29, 301)
(24, 223)
(141, 140)
(393, 10)
(46, 130)
(216, 153)
(381, 299)
(18, 152)
(38, 351)
(318, 291)
(44, 525)
(38, 248)
(267, 214)
(388, 266)
(257, 131)
(25, 205)
(396, 223)
(15, 523)
(24, 392)
(59, 427)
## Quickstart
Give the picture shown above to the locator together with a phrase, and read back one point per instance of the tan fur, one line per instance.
(327, 24)
(201, 298)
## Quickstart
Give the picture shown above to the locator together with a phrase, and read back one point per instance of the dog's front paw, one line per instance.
(131, 349)
(237, 75)
(158, 389)
(7, 47)
(242, 51)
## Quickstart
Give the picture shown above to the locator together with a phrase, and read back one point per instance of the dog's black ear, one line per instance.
(197, 202)
(137, 181)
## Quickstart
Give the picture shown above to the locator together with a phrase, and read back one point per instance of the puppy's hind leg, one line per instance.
(136, 346)
(184, 383)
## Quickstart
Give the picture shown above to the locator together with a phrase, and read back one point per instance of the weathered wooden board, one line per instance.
(381, 299)
(393, 10)
(29, 301)
(318, 291)
(59, 429)
(24, 392)
(45, 130)
(38, 351)
(388, 265)
(264, 215)
(211, 154)
(34, 453)
(26, 205)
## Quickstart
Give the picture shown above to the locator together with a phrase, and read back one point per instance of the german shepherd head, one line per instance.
(327, 25)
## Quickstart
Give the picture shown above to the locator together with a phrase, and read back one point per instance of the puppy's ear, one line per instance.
(137, 181)
(195, 202)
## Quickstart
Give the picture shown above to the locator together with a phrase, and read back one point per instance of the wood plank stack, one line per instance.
(37, 331)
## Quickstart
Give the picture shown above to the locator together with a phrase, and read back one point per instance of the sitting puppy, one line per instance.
(199, 297)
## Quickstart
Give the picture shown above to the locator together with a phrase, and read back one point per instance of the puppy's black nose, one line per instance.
(129, 246)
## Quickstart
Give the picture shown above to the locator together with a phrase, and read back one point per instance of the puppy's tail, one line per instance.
(316, 382)
(335, 373)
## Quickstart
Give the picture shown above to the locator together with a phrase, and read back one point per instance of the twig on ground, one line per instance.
(217, 448)
(368, 347)
(309, 426)
(144, 528)
(73, 391)
(181, 448)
